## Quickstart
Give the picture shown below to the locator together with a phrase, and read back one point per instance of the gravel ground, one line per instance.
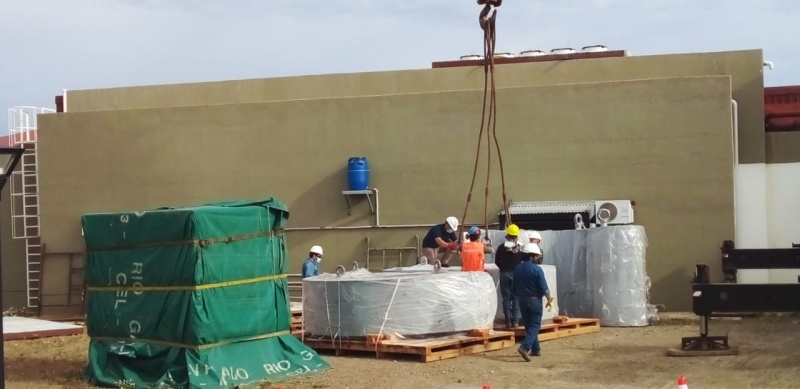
(612, 358)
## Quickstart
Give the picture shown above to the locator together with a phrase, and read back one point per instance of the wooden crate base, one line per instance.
(560, 328)
(296, 325)
(427, 349)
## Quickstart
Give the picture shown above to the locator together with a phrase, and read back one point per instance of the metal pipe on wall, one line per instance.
(735, 110)
(390, 226)
(377, 208)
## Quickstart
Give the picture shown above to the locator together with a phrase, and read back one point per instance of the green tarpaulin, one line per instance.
(191, 298)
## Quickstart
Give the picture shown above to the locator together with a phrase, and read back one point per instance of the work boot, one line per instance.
(535, 353)
(524, 354)
(514, 324)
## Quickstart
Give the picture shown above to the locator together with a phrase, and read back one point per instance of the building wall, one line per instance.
(12, 251)
(665, 143)
(783, 170)
(745, 68)
(13, 257)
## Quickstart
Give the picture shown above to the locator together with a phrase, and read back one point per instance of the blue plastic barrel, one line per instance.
(358, 173)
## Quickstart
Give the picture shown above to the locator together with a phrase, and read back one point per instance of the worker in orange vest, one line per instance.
(473, 252)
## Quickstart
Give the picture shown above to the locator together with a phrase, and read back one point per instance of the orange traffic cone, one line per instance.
(682, 383)
(487, 387)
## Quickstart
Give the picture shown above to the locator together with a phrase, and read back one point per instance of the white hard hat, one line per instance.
(453, 222)
(531, 248)
(316, 250)
(534, 235)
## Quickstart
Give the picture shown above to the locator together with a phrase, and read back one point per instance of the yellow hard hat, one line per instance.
(512, 230)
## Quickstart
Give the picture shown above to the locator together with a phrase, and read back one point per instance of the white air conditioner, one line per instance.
(613, 212)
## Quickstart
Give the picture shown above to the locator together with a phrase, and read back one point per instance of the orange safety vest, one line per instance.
(472, 256)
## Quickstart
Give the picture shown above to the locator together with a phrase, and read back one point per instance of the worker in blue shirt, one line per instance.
(310, 268)
(530, 286)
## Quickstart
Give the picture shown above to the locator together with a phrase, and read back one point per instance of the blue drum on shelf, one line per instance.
(358, 173)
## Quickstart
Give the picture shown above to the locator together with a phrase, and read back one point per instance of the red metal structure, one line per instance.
(782, 108)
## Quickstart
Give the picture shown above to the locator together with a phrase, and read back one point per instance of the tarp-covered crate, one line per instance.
(191, 297)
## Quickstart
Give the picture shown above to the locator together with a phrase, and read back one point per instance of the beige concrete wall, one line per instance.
(13, 257)
(665, 143)
(745, 68)
(783, 147)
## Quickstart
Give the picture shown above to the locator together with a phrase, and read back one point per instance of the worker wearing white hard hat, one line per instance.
(441, 238)
(530, 286)
(535, 237)
(310, 267)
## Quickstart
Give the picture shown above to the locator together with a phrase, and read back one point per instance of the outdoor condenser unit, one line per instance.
(561, 215)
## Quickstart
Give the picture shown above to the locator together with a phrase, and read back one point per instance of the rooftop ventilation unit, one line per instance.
(504, 55)
(594, 49)
(471, 57)
(532, 53)
(564, 50)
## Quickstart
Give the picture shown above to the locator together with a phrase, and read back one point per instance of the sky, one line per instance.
(50, 45)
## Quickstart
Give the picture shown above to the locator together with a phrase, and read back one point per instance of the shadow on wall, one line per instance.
(323, 205)
(677, 282)
(319, 205)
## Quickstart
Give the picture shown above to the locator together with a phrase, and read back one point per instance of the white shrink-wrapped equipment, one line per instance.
(404, 303)
(566, 250)
(600, 272)
(617, 276)
(551, 276)
(494, 271)
(490, 268)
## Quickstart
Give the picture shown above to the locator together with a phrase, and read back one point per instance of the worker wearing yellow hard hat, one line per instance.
(507, 258)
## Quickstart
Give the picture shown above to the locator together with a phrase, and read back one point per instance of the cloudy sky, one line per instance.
(50, 45)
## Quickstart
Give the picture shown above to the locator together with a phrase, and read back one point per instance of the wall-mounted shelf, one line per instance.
(367, 193)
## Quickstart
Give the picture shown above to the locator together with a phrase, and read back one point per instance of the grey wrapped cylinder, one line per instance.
(601, 273)
(619, 282)
(405, 303)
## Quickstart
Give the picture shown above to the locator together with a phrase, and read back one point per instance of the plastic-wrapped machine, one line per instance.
(404, 303)
(497, 237)
(566, 250)
(494, 271)
(551, 276)
(617, 276)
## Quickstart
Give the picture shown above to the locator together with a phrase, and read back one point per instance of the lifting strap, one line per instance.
(487, 19)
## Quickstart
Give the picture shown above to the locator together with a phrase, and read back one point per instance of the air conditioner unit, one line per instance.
(613, 212)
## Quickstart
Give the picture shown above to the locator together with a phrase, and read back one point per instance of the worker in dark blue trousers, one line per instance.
(530, 286)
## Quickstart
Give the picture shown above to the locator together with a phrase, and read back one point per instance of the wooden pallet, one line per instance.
(561, 327)
(296, 325)
(427, 349)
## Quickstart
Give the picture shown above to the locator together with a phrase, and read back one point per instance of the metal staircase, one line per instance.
(25, 196)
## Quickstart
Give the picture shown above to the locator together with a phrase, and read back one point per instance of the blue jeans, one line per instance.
(532, 309)
(510, 303)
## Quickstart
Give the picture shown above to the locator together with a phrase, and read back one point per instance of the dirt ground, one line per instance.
(612, 358)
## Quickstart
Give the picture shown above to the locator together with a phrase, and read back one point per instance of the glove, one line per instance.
(452, 247)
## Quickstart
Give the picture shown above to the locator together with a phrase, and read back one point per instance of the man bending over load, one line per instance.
(441, 237)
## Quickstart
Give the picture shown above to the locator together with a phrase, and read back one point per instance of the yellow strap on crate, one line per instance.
(122, 288)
